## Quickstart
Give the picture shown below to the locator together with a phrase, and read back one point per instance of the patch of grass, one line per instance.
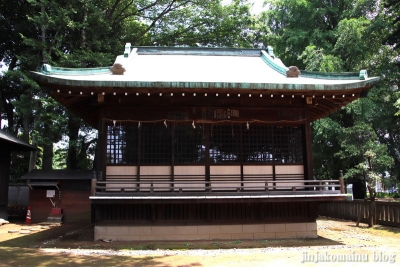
(150, 246)
(237, 242)
(134, 246)
(387, 195)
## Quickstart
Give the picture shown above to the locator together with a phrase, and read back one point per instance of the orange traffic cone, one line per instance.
(28, 215)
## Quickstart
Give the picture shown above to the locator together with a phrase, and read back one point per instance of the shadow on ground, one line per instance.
(31, 257)
(81, 235)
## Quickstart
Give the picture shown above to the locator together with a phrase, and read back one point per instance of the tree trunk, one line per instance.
(372, 195)
(10, 116)
(371, 219)
(47, 149)
(73, 134)
(47, 164)
(25, 133)
(43, 32)
(33, 156)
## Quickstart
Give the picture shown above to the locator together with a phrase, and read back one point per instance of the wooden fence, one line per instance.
(387, 213)
(124, 184)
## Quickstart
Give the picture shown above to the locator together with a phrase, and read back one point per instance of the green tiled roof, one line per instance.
(185, 67)
(51, 70)
(331, 75)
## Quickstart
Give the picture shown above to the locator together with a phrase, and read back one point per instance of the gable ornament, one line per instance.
(293, 72)
(117, 69)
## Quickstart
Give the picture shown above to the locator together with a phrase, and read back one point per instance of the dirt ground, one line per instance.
(340, 243)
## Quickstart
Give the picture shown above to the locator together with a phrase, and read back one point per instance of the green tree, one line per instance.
(86, 34)
(207, 24)
(331, 36)
(392, 12)
(298, 24)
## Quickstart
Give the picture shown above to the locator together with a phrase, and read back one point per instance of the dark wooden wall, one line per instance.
(5, 159)
(206, 213)
(74, 201)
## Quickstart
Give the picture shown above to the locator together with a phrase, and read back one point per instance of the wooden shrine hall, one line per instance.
(203, 143)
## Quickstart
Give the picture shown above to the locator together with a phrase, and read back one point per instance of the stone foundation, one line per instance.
(206, 232)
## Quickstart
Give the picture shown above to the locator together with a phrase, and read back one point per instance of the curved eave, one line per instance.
(81, 97)
(292, 84)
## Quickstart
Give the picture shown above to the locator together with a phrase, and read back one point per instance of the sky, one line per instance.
(257, 6)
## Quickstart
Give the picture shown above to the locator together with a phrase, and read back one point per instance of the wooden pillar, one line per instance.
(172, 178)
(5, 159)
(101, 149)
(308, 167)
(207, 134)
(139, 154)
(272, 132)
(241, 154)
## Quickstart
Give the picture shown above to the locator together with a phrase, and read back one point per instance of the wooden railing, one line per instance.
(219, 183)
(387, 213)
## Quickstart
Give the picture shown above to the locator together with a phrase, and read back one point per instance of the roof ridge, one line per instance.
(197, 51)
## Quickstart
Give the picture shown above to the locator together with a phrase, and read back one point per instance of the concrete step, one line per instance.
(57, 218)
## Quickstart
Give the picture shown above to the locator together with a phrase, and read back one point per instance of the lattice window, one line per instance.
(155, 144)
(115, 141)
(298, 152)
(258, 144)
(288, 145)
(225, 144)
(122, 144)
(189, 146)
(130, 151)
(262, 144)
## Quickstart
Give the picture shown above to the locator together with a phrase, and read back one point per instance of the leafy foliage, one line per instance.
(323, 24)
(86, 34)
(331, 36)
(393, 14)
(316, 60)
